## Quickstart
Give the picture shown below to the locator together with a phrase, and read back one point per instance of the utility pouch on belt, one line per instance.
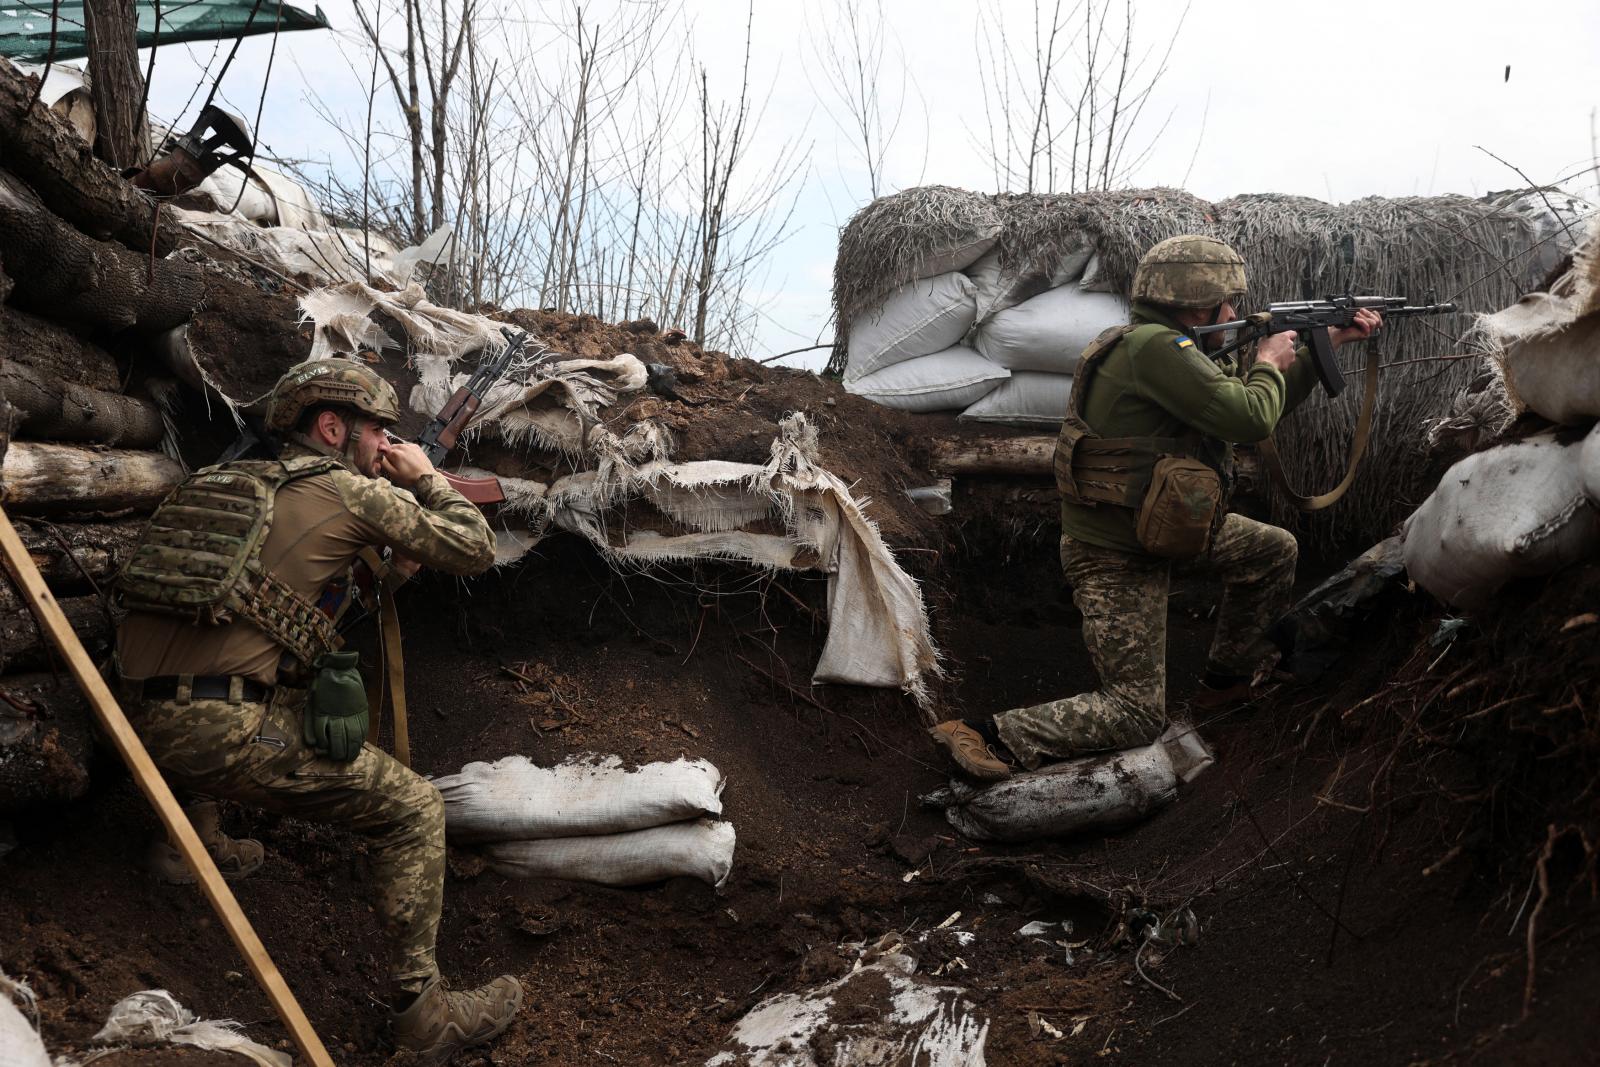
(1176, 518)
(1177, 497)
(336, 717)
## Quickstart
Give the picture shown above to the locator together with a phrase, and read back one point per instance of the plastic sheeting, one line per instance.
(25, 25)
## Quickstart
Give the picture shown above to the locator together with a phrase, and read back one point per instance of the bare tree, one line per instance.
(849, 46)
(115, 83)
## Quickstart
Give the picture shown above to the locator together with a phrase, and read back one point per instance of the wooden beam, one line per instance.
(39, 478)
(132, 750)
(993, 455)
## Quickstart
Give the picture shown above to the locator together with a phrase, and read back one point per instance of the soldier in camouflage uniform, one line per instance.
(1154, 387)
(220, 699)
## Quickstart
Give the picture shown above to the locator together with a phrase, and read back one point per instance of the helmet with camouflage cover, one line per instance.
(1189, 271)
(330, 381)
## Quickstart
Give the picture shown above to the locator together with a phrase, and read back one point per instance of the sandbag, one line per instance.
(513, 799)
(1092, 793)
(701, 849)
(944, 381)
(1509, 512)
(1589, 462)
(1555, 374)
(918, 319)
(1049, 332)
(1000, 288)
(20, 1044)
(880, 1014)
(1029, 398)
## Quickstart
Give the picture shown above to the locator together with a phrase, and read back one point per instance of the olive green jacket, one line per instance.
(1157, 383)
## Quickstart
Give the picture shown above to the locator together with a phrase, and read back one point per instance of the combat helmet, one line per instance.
(330, 381)
(1189, 271)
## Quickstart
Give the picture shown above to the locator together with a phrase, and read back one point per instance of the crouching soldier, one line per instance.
(232, 676)
(1143, 464)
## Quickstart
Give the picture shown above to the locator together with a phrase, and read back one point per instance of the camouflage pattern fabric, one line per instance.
(253, 753)
(1189, 271)
(1123, 598)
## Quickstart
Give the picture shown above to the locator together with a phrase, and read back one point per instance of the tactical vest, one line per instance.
(200, 557)
(1178, 495)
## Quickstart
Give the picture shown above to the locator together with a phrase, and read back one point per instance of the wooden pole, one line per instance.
(31, 584)
(993, 455)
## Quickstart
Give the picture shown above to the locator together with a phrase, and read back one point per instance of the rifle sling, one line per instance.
(1358, 447)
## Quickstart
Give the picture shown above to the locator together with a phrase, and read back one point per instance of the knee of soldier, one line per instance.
(1283, 549)
(430, 812)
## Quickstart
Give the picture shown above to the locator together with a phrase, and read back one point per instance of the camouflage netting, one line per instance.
(1480, 253)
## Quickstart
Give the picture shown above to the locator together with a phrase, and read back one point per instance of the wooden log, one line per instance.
(993, 455)
(45, 151)
(23, 647)
(55, 350)
(38, 478)
(63, 411)
(59, 272)
(46, 738)
(75, 557)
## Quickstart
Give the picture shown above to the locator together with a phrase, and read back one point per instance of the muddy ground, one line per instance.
(1281, 845)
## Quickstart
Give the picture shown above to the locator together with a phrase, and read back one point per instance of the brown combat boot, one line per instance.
(969, 751)
(236, 858)
(439, 1023)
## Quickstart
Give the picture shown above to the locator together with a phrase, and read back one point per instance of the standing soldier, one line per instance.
(1144, 465)
(232, 677)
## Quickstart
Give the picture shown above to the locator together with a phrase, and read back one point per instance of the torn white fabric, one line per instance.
(341, 315)
(20, 1044)
(881, 1013)
(514, 799)
(154, 1017)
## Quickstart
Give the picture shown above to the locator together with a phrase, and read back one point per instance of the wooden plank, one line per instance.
(31, 584)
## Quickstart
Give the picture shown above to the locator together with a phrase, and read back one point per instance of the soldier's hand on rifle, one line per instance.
(1366, 324)
(1277, 349)
(404, 462)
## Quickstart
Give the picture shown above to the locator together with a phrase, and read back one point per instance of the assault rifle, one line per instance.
(1312, 319)
(445, 429)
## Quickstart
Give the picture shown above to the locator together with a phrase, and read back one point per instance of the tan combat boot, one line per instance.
(967, 748)
(235, 858)
(439, 1023)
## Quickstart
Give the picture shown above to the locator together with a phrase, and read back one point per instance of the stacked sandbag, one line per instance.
(592, 820)
(903, 332)
(1039, 341)
(1514, 511)
(1096, 793)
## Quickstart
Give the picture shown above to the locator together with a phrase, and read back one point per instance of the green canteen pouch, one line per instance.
(336, 707)
(1176, 518)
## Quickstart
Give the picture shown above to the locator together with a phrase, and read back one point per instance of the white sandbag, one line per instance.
(20, 1044)
(1092, 793)
(701, 849)
(880, 1014)
(1589, 462)
(1029, 398)
(513, 799)
(1509, 512)
(944, 381)
(918, 319)
(1049, 332)
(1555, 374)
(1000, 288)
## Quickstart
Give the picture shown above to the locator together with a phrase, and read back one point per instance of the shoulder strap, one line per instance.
(1358, 447)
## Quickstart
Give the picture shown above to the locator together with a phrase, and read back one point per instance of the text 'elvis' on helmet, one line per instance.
(330, 381)
(1189, 271)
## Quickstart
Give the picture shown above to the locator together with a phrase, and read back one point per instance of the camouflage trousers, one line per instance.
(1123, 598)
(254, 754)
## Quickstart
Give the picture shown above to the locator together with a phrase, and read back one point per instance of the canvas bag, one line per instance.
(700, 849)
(943, 381)
(917, 319)
(1048, 332)
(515, 799)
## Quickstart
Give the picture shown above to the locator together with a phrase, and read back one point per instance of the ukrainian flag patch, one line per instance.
(1181, 342)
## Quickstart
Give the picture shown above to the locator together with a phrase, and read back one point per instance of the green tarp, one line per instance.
(25, 24)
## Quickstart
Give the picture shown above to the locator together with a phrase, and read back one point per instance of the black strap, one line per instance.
(204, 687)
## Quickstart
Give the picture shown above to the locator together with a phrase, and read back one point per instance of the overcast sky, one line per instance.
(1335, 101)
